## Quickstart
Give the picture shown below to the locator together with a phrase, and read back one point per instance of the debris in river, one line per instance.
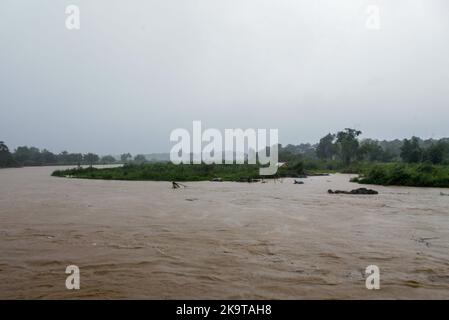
(177, 185)
(355, 191)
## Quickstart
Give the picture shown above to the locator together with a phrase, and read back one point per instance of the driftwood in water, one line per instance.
(177, 185)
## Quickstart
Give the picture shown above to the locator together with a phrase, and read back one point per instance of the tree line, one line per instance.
(334, 150)
(32, 156)
(345, 147)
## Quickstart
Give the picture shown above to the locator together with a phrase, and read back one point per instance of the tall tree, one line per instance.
(125, 156)
(326, 147)
(6, 159)
(91, 158)
(348, 144)
(370, 150)
(436, 152)
(411, 152)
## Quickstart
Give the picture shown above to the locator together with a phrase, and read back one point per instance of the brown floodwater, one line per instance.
(222, 240)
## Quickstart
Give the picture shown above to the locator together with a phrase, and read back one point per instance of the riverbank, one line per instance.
(397, 174)
(164, 171)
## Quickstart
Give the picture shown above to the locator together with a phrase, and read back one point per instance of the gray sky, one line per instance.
(138, 69)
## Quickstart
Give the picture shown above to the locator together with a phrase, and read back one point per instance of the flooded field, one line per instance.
(219, 239)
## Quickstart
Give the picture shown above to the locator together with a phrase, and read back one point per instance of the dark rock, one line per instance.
(355, 191)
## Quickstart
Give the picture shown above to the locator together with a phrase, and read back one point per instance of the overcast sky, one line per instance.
(138, 69)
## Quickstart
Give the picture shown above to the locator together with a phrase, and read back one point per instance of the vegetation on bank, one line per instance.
(409, 162)
(341, 151)
(183, 172)
(400, 174)
(31, 156)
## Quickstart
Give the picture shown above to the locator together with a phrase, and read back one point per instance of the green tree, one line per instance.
(63, 157)
(48, 157)
(3, 147)
(388, 155)
(140, 158)
(91, 158)
(6, 159)
(348, 144)
(75, 158)
(326, 148)
(370, 151)
(411, 152)
(125, 156)
(107, 159)
(288, 154)
(436, 152)
(28, 156)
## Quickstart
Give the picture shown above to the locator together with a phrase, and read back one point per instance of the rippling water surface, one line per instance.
(219, 240)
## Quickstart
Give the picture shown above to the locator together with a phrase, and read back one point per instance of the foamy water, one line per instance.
(219, 240)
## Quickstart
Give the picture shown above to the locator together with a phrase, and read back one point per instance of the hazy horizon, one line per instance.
(137, 70)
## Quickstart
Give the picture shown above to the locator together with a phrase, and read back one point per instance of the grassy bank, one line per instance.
(398, 174)
(416, 175)
(171, 172)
